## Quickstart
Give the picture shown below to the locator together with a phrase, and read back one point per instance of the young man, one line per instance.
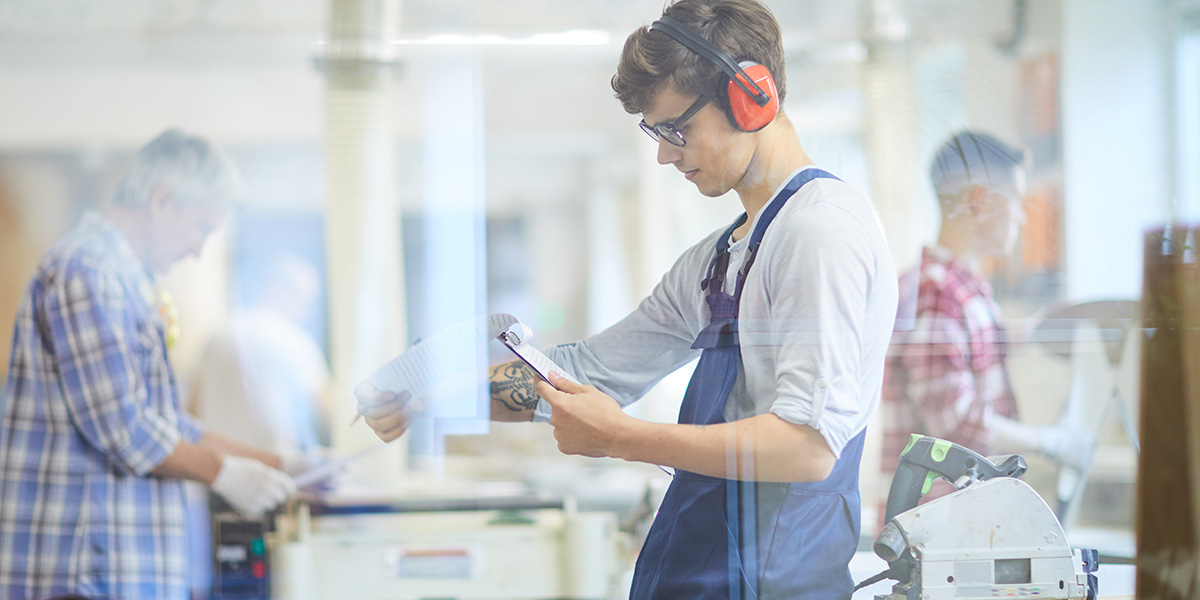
(789, 310)
(946, 376)
(93, 442)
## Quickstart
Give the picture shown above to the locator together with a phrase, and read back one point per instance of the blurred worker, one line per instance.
(94, 443)
(263, 381)
(791, 335)
(946, 374)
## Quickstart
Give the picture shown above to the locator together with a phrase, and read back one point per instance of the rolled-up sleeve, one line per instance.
(189, 428)
(96, 345)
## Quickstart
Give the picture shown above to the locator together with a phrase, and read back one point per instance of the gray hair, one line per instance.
(191, 167)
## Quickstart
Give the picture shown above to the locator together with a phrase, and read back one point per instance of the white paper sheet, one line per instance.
(320, 472)
(457, 349)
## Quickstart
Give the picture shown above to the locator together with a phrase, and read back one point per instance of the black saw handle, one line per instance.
(926, 458)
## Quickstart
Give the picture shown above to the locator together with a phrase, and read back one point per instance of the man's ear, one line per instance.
(977, 200)
(160, 200)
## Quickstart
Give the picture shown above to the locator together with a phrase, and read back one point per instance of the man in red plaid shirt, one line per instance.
(946, 373)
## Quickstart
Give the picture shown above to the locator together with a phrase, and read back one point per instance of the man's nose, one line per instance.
(667, 152)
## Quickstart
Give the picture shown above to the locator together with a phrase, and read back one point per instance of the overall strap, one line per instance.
(721, 255)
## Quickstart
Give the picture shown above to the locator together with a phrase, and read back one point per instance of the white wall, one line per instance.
(1116, 140)
(1187, 111)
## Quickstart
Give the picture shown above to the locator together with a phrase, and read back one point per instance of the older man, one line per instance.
(93, 443)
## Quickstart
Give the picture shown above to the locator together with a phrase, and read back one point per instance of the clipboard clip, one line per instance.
(528, 355)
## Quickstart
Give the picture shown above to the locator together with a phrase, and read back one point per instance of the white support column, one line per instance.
(890, 128)
(366, 302)
(608, 277)
(890, 138)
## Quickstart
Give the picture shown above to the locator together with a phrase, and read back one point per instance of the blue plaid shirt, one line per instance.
(92, 407)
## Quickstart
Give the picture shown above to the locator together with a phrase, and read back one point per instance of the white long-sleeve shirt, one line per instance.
(815, 319)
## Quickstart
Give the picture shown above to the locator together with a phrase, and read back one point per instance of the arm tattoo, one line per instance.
(511, 384)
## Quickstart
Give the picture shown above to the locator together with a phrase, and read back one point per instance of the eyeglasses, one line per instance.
(670, 131)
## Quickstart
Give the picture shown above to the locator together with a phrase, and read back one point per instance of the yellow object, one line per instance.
(170, 316)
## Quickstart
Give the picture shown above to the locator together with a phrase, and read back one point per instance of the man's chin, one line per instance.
(709, 190)
(712, 192)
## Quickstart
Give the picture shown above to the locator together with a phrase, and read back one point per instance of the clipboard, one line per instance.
(540, 363)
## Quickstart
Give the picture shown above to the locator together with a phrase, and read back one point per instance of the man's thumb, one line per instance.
(563, 384)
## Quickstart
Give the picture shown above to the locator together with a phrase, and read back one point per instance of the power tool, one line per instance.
(992, 537)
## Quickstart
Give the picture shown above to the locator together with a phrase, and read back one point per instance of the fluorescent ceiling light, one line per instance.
(575, 37)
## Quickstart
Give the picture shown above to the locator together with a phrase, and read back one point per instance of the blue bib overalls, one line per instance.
(721, 538)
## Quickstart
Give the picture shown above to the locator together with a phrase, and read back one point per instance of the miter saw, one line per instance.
(992, 537)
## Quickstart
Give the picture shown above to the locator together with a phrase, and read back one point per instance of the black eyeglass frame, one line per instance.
(670, 131)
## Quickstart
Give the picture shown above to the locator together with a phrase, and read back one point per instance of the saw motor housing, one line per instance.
(994, 538)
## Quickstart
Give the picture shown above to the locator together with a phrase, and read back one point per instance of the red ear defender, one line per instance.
(748, 109)
(747, 114)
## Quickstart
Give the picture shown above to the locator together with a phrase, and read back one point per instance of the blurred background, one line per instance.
(414, 163)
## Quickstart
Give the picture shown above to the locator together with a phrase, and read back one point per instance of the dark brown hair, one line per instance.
(744, 29)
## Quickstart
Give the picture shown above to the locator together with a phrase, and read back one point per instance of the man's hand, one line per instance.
(1070, 446)
(586, 421)
(389, 414)
(250, 486)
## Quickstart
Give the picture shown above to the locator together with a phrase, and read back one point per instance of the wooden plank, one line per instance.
(1187, 281)
(1168, 472)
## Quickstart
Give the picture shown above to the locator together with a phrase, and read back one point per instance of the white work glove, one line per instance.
(1069, 446)
(250, 486)
(387, 413)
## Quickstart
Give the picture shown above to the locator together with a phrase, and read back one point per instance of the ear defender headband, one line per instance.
(752, 99)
